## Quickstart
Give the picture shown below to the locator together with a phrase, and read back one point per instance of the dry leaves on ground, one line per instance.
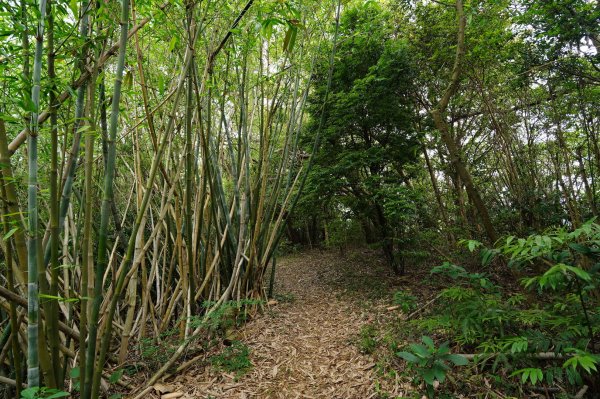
(301, 347)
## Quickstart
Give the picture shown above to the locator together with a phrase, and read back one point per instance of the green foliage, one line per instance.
(75, 374)
(43, 393)
(368, 339)
(368, 134)
(559, 274)
(562, 271)
(564, 253)
(233, 359)
(115, 376)
(228, 315)
(532, 374)
(515, 344)
(281, 14)
(459, 274)
(578, 361)
(430, 363)
(562, 23)
(582, 360)
(156, 352)
(405, 300)
(341, 232)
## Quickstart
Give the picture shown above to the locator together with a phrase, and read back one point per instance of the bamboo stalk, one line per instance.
(71, 166)
(87, 258)
(12, 212)
(14, 324)
(52, 322)
(189, 180)
(93, 370)
(33, 372)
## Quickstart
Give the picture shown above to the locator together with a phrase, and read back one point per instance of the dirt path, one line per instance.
(304, 347)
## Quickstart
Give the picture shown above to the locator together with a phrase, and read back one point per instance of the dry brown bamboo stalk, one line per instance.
(8, 381)
(12, 206)
(166, 317)
(133, 282)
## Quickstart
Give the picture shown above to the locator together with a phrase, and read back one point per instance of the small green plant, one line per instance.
(430, 363)
(43, 393)
(578, 361)
(154, 352)
(583, 360)
(284, 297)
(75, 374)
(368, 339)
(228, 315)
(405, 300)
(233, 359)
(532, 374)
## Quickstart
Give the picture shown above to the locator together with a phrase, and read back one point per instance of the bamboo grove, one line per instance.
(160, 169)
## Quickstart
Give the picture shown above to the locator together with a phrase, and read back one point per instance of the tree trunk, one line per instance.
(438, 114)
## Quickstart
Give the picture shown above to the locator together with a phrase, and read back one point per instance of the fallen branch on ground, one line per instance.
(416, 312)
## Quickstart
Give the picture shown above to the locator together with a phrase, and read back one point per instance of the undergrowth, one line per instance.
(218, 324)
(368, 341)
(233, 359)
(540, 335)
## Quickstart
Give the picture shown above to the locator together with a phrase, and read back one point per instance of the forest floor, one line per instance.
(310, 341)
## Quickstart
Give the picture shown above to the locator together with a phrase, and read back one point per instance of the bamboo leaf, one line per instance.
(10, 233)
(58, 395)
(73, 5)
(458, 360)
(116, 376)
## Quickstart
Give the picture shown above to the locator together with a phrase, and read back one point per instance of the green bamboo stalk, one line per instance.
(25, 42)
(94, 373)
(20, 242)
(52, 320)
(13, 209)
(201, 253)
(69, 176)
(87, 247)
(189, 177)
(26, 69)
(33, 370)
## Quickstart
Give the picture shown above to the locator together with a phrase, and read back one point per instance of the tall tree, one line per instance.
(442, 125)
(369, 132)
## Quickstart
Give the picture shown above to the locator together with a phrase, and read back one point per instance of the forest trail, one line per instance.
(305, 345)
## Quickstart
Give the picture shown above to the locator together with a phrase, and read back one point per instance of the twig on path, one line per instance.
(419, 310)
(145, 391)
(581, 392)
